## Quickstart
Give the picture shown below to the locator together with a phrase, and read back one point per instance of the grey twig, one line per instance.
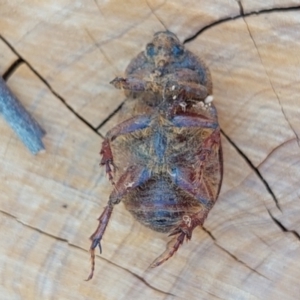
(27, 129)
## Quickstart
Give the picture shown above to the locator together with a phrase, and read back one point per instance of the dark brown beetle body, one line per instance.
(166, 152)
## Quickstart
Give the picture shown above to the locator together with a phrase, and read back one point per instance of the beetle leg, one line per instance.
(98, 234)
(134, 176)
(191, 178)
(130, 125)
(175, 244)
(184, 230)
(210, 144)
(107, 159)
(193, 76)
(183, 178)
(136, 84)
(192, 120)
(190, 90)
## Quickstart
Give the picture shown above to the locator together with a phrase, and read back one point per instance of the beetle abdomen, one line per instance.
(159, 204)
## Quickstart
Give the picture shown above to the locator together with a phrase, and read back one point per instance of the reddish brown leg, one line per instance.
(175, 244)
(184, 229)
(191, 90)
(208, 146)
(177, 104)
(213, 140)
(181, 94)
(133, 177)
(130, 125)
(97, 236)
(107, 159)
(134, 84)
(191, 179)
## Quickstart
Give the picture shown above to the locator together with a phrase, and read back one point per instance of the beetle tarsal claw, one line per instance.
(92, 251)
(100, 247)
(95, 242)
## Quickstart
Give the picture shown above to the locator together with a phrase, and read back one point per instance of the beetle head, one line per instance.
(164, 49)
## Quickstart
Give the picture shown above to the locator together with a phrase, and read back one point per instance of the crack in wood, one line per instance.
(12, 69)
(98, 46)
(98, 6)
(156, 16)
(22, 60)
(271, 83)
(282, 227)
(275, 149)
(110, 116)
(232, 255)
(39, 230)
(185, 41)
(82, 249)
(142, 279)
(214, 295)
(240, 4)
(241, 15)
(265, 183)
(221, 21)
(276, 221)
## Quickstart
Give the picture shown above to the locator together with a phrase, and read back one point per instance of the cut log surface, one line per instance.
(7, 58)
(58, 58)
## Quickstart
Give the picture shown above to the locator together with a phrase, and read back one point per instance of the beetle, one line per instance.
(164, 158)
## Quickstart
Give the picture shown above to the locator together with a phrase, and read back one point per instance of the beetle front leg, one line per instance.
(191, 90)
(135, 84)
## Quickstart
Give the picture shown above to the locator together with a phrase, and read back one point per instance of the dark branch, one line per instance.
(27, 129)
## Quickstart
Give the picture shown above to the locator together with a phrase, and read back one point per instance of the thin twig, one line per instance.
(27, 129)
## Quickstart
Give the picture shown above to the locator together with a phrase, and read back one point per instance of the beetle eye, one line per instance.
(150, 50)
(177, 50)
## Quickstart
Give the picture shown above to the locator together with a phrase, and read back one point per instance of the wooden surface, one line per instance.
(59, 57)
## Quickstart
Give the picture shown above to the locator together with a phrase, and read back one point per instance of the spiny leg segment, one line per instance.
(134, 176)
(184, 230)
(97, 236)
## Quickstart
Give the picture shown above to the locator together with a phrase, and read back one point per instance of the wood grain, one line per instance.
(69, 50)
(7, 57)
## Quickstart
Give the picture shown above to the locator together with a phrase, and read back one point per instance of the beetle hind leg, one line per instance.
(184, 231)
(172, 247)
